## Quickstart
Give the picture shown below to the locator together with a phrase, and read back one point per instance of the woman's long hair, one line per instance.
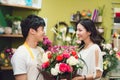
(95, 36)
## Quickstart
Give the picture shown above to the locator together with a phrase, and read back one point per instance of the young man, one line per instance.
(27, 56)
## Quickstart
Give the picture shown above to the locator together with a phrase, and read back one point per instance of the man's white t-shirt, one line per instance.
(22, 62)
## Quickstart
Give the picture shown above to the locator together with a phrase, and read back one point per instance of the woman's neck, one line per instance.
(88, 43)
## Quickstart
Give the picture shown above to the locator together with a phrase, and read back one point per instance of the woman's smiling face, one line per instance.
(82, 33)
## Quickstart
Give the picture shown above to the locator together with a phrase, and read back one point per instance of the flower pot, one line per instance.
(8, 30)
(16, 29)
(99, 19)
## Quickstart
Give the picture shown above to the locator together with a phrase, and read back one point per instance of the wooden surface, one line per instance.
(5, 68)
(10, 35)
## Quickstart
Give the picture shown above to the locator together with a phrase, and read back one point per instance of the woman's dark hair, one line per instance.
(95, 36)
(31, 21)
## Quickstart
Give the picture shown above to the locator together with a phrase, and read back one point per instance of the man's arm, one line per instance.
(21, 77)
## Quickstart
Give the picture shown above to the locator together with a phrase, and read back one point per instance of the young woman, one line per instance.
(90, 50)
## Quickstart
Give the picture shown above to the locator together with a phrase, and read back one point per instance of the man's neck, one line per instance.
(31, 42)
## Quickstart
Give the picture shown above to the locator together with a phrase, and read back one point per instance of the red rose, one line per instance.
(49, 55)
(59, 58)
(76, 56)
(74, 53)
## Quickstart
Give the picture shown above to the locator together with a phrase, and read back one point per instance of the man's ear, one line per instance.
(32, 31)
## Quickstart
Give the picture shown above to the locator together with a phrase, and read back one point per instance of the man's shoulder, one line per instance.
(41, 49)
(20, 51)
(21, 48)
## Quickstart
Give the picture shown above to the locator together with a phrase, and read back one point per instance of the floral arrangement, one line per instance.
(61, 62)
(46, 44)
(64, 36)
(110, 58)
(5, 57)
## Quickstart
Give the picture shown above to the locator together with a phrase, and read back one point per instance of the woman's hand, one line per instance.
(75, 78)
(78, 78)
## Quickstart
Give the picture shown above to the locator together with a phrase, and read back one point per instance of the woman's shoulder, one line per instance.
(95, 46)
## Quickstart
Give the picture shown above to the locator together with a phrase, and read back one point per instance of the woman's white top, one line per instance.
(88, 55)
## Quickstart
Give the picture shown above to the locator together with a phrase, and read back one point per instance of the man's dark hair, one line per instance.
(31, 21)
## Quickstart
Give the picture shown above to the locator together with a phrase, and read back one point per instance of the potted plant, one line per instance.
(14, 22)
(100, 13)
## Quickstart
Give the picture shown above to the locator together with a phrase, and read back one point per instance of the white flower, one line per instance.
(111, 52)
(54, 30)
(54, 72)
(72, 61)
(57, 67)
(108, 46)
(103, 46)
(68, 39)
(45, 58)
(115, 49)
(103, 53)
(78, 41)
(63, 30)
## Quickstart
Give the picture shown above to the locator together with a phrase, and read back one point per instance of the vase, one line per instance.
(105, 75)
(105, 72)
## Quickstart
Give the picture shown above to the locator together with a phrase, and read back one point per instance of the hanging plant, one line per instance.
(101, 10)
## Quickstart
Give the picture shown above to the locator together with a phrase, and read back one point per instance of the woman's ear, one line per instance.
(89, 33)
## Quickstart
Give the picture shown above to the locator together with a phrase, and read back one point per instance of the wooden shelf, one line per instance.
(6, 68)
(11, 35)
(19, 6)
(73, 21)
(115, 2)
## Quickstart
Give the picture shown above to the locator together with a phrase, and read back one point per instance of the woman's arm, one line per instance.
(98, 72)
(91, 76)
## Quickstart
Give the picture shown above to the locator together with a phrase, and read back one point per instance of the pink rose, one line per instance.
(66, 55)
(46, 64)
(65, 68)
(69, 68)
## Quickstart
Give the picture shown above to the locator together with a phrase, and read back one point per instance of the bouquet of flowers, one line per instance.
(110, 58)
(5, 57)
(60, 62)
